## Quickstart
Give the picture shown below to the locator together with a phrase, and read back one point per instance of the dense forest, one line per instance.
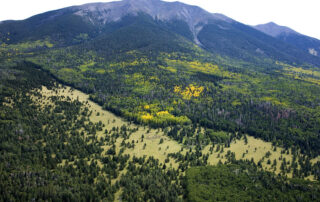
(50, 150)
(243, 182)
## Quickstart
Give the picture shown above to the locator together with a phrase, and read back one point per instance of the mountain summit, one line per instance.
(160, 10)
(287, 35)
(195, 17)
(274, 30)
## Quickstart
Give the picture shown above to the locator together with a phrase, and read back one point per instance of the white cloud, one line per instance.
(301, 16)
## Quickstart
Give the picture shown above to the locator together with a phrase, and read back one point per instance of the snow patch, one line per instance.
(312, 51)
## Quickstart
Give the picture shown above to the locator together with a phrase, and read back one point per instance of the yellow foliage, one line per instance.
(308, 75)
(161, 113)
(147, 107)
(147, 117)
(177, 89)
(190, 91)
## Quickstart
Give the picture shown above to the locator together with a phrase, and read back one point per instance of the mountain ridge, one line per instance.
(306, 43)
(274, 29)
(194, 16)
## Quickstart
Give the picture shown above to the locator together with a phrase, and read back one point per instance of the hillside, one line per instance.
(128, 100)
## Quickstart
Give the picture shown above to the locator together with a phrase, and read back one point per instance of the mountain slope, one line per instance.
(213, 32)
(285, 34)
(243, 42)
(62, 26)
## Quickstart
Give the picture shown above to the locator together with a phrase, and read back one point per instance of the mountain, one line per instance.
(275, 30)
(98, 15)
(213, 32)
(285, 34)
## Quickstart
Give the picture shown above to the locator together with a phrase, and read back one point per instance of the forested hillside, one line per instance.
(133, 101)
(170, 81)
(55, 146)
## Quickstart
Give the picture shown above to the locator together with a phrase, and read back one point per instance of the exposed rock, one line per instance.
(194, 16)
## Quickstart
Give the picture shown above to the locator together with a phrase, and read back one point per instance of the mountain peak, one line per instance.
(274, 29)
(140, 0)
(155, 8)
(194, 16)
(285, 34)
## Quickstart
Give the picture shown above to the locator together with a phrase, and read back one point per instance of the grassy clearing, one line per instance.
(151, 138)
(150, 146)
(256, 150)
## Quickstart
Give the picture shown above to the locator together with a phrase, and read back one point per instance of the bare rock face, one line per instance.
(195, 17)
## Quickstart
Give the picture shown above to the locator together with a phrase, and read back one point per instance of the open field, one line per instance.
(255, 149)
(148, 147)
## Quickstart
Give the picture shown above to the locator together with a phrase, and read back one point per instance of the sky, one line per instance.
(301, 15)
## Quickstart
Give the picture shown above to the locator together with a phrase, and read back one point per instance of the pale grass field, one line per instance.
(151, 136)
(255, 148)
